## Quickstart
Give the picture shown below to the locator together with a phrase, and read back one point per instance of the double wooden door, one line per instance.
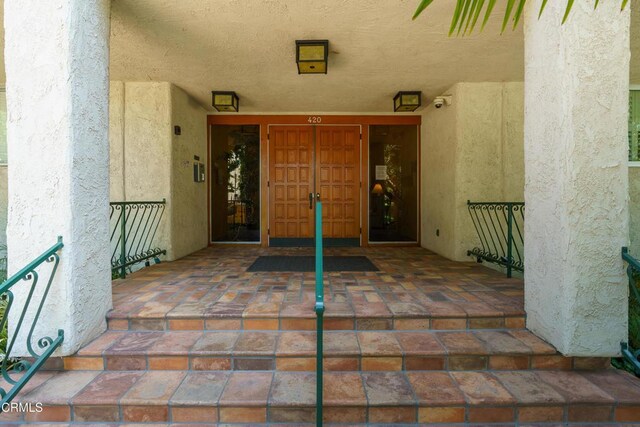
(305, 161)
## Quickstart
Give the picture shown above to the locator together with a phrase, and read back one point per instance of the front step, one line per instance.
(350, 397)
(344, 351)
(307, 322)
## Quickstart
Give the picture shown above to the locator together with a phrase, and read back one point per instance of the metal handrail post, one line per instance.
(319, 308)
(509, 238)
(123, 244)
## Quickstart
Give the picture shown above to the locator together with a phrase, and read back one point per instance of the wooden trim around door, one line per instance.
(364, 121)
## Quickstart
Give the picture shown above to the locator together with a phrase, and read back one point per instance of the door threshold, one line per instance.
(308, 242)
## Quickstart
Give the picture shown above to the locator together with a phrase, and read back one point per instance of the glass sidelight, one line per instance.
(393, 182)
(235, 183)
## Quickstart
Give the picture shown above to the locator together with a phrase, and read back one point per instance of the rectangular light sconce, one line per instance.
(226, 101)
(311, 56)
(407, 101)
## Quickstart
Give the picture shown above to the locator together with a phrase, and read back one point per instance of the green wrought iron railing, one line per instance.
(3, 269)
(633, 271)
(18, 372)
(500, 228)
(319, 309)
(133, 228)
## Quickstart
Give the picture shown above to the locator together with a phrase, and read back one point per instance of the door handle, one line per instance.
(318, 197)
(310, 200)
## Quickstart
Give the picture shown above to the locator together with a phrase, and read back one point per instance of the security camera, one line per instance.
(439, 101)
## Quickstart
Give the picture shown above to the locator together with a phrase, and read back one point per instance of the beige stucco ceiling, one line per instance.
(248, 46)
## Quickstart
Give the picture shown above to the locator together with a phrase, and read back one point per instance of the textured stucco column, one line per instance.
(57, 59)
(576, 185)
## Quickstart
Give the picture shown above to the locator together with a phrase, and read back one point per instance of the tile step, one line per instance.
(297, 323)
(252, 398)
(344, 351)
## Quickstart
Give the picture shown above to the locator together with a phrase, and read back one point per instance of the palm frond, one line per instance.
(422, 6)
(463, 15)
(467, 12)
(490, 6)
(518, 14)
(544, 3)
(507, 14)
(568, 10)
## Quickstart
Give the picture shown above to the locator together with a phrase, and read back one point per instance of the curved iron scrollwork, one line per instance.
(500, 229)
(633, 273)
(18, 372)
(133, 228)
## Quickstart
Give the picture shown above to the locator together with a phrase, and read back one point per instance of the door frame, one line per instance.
(264, 120)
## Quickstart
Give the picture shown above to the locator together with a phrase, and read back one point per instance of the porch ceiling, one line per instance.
(248, 46)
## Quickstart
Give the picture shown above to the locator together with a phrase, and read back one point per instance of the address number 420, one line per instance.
(314, 119)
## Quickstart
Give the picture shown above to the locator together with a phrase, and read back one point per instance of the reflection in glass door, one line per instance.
(235, 183)
(393, 182)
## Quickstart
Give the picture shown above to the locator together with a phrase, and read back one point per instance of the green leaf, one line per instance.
(422, 6)
(566, 12)
(465, 12)
(518, 14)
(469, 17)
(476, 14)
(507, 14)
(542, 6)
(456, 16)
(487, 14)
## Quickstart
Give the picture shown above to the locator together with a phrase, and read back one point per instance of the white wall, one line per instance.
(189, 222)
(150, 163)
(577, 191)
(471, 150)
(57, 66)
(438, 165)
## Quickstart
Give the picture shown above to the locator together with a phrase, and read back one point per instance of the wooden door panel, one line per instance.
(338, 166)
(290, 172)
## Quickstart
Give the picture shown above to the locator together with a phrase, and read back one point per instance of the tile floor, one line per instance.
(414, 289)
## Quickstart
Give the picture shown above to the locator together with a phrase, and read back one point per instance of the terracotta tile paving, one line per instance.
(407, 397)
(344, 350)
(412, 283)
(201, 388)
(423, 341)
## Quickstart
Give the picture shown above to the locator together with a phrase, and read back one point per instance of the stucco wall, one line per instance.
(634, 172)
(576, 146)
(188, 198)
(438, 160)
(472, 150)
(57, 63)
(149, 162)
(116, 141)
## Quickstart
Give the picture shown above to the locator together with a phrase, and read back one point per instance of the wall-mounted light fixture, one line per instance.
(407, 101)
(225, 101)
(312, 56)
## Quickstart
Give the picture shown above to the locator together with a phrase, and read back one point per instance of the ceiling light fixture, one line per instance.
(225, 101)
(407, 101)
(312, 56)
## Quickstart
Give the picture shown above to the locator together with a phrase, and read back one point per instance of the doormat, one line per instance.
(308, 263)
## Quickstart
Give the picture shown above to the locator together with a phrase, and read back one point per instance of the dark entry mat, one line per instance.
(307, 263)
